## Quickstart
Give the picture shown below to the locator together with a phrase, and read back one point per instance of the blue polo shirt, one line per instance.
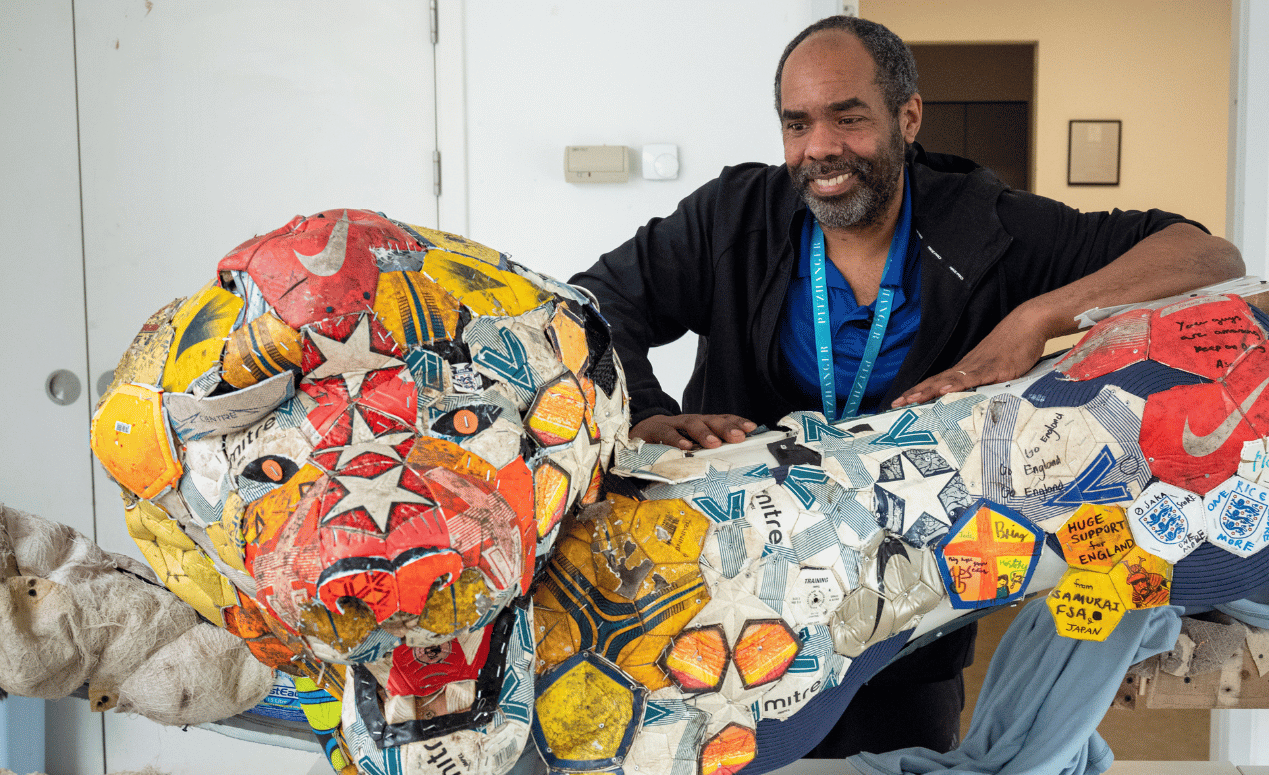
(849, 323)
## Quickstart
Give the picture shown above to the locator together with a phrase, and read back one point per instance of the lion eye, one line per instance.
(271, 469)
(466, 421)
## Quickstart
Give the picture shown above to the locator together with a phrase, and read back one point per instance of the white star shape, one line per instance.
(376, 494)
(363, 439)
(920, 493)
(353, 355)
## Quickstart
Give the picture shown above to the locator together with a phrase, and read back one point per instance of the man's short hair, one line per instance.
(896, 67)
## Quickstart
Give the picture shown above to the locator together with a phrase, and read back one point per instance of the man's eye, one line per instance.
(271, 469)
(467, 421)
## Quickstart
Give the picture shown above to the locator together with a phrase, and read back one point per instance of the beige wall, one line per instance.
(1160, 66)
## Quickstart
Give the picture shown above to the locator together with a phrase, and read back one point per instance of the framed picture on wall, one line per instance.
(1093, 153)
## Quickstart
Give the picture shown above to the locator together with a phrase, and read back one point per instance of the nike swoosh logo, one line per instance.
(1203, 445)
(331, 259)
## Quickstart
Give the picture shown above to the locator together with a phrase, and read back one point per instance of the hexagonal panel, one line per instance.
(557, 413)
(1085, 605)
(815, 595)
(1046, 461)
(131, 438)
(567, 334)
(729, 751)
(201, 325)
(550, 495)
(989, 556)
(764, 651)
(587, 712)
(1168, 521)
(1236, 516)
(1203, 336)
(697, 658)
(1095, 537)
(1143, 580)
(607, 564)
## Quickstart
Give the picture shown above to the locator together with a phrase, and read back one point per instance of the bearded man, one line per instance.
(865, 274)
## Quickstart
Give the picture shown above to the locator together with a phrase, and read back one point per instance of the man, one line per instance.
(865, 274)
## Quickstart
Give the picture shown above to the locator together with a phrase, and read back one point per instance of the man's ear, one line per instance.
(910, 118)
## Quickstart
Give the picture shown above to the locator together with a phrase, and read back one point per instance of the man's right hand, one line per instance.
(688, 430)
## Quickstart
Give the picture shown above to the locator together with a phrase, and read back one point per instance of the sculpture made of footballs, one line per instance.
(377, 454)
(355, 446)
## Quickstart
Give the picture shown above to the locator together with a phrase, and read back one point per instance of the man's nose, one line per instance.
(822, 142)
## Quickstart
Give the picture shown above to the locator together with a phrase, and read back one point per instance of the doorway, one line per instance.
(979, 103)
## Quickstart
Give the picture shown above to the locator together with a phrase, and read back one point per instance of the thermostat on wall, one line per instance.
(661, 161)
(596, 164)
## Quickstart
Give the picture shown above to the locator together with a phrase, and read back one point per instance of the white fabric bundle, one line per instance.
(71, 615)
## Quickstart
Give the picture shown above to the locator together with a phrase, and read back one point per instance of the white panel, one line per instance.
(545, 74)
(203, 124)
(1248, 189)
(44, 459)
(44, 449)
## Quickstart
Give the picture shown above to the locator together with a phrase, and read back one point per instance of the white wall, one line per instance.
(545, 74)
(1248, 213)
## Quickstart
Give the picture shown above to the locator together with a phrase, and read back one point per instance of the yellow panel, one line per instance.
(414, 309)
(485, 289)
(1143, 580)
(569, 337)
(131, 438)
(145, 539)
(167, 532)
(179, 562)
(226, 534)
(1085, 605)
(457, 606)
(263, 348)
(457, 244)
(555, 633)
(1095, 537)
(584, 714)
(343, 632)
(201, 325)
(144, 359)
(557, 413)
(550, 496)
(683, 526)
(639, 661)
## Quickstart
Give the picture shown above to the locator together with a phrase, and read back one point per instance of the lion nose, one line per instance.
(400, 585)
(385, 539)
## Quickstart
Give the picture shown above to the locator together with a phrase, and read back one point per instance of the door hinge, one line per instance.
(436, 173)
(435, 20)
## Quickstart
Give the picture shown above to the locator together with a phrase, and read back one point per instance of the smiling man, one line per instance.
(865, 274)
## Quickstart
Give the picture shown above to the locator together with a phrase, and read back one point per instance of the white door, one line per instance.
(175, 131)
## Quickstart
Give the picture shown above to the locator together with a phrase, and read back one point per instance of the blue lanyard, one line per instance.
(881, 318)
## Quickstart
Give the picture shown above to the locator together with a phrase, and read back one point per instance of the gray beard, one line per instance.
(858, 208)
(878, 182)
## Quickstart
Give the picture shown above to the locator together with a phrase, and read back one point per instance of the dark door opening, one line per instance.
(979, 103)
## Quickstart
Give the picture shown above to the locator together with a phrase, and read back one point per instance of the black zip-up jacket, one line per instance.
(720, 266)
